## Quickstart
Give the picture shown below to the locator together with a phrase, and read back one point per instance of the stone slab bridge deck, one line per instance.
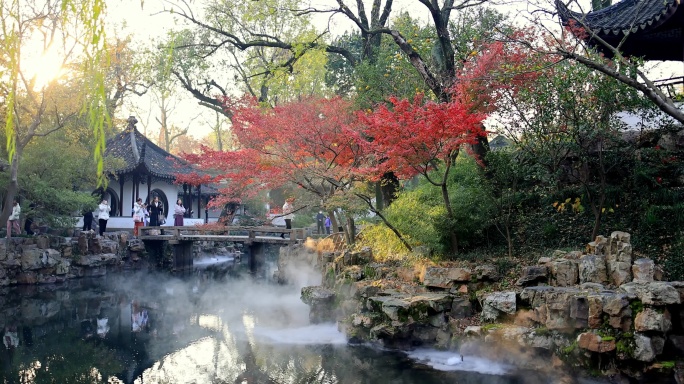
(253, 238)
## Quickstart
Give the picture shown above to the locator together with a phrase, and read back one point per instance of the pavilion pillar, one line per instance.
(121, 196)
(206, 210)
(149, 187)
(134, 191)
(185, 200)
(189, 202)
(199, 201)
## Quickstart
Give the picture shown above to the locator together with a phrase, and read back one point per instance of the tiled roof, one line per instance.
(156, 161)
(654, 28)
(623, 17)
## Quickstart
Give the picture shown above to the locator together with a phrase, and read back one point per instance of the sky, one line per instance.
(148, 22)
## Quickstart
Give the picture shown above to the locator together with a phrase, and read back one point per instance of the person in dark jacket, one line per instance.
(87, 220)
(156, 209)
(28, 223)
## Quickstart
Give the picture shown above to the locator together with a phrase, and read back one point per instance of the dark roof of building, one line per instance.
(154, 159)
(653, 27)
(500, 141)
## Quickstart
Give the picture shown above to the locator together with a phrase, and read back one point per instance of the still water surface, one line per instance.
(142, 328)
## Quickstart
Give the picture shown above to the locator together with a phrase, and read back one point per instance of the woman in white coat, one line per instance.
(138, 216)
(103, 215)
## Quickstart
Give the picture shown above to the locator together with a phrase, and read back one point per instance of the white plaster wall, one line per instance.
(170, 190)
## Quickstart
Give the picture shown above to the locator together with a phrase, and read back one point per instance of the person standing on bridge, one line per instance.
(178, 213)
(328, 224)
(320, 220)
(138, 216)
(287, 212)
(156, 212)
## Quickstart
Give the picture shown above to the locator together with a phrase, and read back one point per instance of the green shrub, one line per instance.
(385, 244)
(420, 213)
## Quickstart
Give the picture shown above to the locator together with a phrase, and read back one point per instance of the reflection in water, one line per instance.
(156, 329)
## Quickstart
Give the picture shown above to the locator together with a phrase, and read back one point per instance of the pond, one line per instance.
(151, 328)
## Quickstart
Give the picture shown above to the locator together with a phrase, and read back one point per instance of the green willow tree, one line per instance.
(71, 33)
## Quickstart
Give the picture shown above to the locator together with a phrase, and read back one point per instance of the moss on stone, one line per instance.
(637, 307)
(569, 349)
(490, 327)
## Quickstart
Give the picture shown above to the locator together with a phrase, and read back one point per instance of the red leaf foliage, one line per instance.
(412, 135)
(304, 143)
(498, 68)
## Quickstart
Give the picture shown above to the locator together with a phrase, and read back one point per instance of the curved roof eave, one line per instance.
(627, 16)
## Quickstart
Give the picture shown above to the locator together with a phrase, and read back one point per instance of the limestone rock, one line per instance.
(42, 242)
(643, 270)
(532, 275)
(592, 269)
(82, 244)
(616, 306)
(473, 330)
(619, 272)
(564, 273)
(109, 246)
(94, 261)
(652, 320)
(655, 293)
(317, 294)
(535, 296)
(558, 309)
(487, 272)
(94, 245)
(598, 246)
(497, 303)
(643, 349)
(595, 311)
(595, 343)
(579, 311)
(321, 302)
(544, 260)
(62, 268)
(445, 277)
(364, 289)
(34, 258)
(461, 308)
(403, 308)
(621, 236)
(623, 253)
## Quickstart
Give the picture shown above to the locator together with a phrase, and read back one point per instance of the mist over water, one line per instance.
(454, 361)
(155, 328)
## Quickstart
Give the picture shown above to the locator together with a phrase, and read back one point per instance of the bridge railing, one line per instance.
(250, 232)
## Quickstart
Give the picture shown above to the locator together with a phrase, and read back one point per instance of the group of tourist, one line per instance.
(322, 221)
(144, 214)
(14, 219)
(153, 214)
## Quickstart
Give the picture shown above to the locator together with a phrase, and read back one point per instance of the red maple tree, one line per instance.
(418, 137)
(303, 143)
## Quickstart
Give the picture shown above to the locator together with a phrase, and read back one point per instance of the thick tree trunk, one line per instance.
(12, 188)
(351, 230)
(389, 186)
(333, 222)
(450, 215)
